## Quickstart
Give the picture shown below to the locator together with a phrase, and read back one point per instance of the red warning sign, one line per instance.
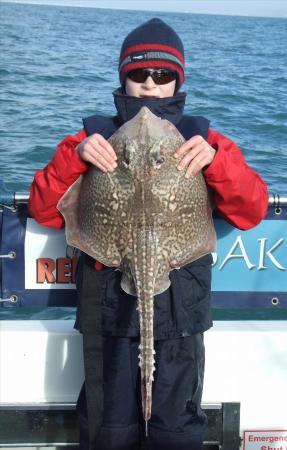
(265, 440)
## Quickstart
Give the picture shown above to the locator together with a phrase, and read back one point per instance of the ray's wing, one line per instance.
(93, 208)
(192, 233)
(184, 223)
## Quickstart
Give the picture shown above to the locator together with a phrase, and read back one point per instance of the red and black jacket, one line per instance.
(239, 194)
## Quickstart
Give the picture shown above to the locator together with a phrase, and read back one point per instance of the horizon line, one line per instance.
(54, 3)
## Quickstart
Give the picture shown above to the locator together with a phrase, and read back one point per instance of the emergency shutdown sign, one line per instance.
(265, 440)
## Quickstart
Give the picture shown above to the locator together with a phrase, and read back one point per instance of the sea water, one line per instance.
(59, 64)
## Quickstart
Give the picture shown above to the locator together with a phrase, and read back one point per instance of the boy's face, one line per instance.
(149, 88)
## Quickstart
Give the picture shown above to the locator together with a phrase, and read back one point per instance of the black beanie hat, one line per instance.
(153, 44)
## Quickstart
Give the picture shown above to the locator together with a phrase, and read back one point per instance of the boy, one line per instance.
(151, 70)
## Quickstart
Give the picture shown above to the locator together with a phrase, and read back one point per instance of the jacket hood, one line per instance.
(170, 108)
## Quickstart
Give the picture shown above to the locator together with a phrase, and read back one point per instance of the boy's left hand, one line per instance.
(198, 154)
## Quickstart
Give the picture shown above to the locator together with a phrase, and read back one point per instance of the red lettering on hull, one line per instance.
(61, 270)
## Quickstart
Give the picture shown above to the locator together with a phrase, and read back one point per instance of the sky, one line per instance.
(270, 8)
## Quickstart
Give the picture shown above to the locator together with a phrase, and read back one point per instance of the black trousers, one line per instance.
(177, 421)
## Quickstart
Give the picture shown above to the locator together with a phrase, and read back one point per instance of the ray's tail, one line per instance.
(145, 270)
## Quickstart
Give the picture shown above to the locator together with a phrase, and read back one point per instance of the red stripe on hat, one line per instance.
(147, 47)
(150, 63)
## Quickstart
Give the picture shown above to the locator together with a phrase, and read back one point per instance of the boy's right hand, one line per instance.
(96, 150)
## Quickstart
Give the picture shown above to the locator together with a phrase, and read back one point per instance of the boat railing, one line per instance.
(55, 425)
(14, 199)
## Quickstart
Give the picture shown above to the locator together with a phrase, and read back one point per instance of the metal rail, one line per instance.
(55, 425)
(17, 198)
(277, 200)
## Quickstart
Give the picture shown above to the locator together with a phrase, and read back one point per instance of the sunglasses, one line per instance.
(159, 76)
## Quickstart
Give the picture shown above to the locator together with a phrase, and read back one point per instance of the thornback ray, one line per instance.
(145, 218)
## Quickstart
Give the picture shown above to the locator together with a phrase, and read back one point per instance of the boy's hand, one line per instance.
(96, 150)
(198, 154)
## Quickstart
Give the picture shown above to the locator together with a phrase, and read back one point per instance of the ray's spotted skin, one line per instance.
(145, 218)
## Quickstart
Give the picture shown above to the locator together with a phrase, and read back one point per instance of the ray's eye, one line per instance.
(126, 157)
(159, 161)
